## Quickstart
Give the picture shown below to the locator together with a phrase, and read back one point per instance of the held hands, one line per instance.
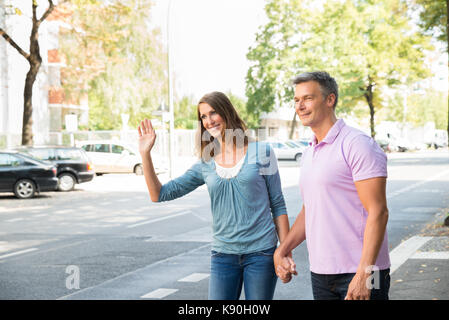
(147, 137)
(284, 266)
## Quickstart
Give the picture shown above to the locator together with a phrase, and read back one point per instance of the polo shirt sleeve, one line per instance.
(365, 158)
(270, 172)
(189, 181)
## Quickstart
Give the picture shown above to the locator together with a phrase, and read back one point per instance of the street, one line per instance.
(107, 240)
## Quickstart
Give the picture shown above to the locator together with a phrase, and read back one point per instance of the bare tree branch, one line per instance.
(12, 43)
(49, 10)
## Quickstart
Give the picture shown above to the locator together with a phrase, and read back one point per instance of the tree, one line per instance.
(112, 50)
(366, 45)
(34, 59)
(434, 21)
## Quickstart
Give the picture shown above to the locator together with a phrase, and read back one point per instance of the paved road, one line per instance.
(106, 240)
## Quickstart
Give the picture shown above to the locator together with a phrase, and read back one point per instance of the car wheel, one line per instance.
(66, 182)
(24, 189)
(298, 157)
(138, 170)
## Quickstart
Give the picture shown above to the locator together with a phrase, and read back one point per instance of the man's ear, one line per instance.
(330, 99)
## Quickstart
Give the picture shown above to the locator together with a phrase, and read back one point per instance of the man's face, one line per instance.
(310, 105)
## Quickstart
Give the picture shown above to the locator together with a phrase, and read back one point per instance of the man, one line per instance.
(344, 215)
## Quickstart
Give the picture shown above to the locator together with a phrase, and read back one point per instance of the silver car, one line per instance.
(287, 150)
(114, 157)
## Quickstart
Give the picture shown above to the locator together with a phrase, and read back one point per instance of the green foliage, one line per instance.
(185, 111)
(430, 106)
(366, 46)
(112, 55)
(433, 18)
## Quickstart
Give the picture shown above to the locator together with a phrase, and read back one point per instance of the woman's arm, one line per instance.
(147, 137)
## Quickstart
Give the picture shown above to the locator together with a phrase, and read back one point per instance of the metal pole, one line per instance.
(171, 153)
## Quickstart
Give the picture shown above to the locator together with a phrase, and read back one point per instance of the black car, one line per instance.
(25, 175)
(72, 163)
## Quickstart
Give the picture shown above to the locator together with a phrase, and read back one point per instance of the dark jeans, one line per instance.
(335, 286)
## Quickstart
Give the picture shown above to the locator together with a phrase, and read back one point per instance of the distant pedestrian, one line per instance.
(344, 215)
(248, 207)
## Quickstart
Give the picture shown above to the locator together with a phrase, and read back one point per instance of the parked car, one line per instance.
(110, 156)
(287, 150)
(302, 142)
(25, 176)
(72, 163)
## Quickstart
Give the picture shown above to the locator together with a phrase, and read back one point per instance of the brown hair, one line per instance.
(223, 106)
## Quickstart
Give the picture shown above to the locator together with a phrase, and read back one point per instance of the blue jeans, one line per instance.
(255, 271)
(335, 286)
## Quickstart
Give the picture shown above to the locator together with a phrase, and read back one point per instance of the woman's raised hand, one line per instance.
(147, 136)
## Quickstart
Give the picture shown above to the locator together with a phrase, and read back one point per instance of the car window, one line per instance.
(42, 154)
(101, 148)
(87, 147)
(69, 154)
(7, 160)
(117, 149)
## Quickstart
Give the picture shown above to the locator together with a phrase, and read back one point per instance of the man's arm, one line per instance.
(283, 263)
(372, 194)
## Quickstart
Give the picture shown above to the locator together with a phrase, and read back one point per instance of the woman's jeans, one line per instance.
(255, 271)
(335, 286)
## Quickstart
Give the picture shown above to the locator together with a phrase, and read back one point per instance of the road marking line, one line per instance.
(405, 250)
(443, 255)
(14, 220)
(159, 293)
(133, 272)
(159, 219)
(195, 277)
(17, 253)
(417, 184)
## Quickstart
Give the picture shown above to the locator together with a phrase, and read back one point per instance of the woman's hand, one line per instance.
(147, 137)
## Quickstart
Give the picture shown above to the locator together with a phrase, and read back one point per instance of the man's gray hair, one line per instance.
(327, 84)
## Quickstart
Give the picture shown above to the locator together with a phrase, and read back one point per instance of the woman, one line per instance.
(248, 207)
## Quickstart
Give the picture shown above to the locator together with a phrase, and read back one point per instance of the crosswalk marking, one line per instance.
(159, 293)
(194, 277)
(405, 250)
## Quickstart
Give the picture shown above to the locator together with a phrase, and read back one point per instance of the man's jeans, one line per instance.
(254, 270)
(335, 286)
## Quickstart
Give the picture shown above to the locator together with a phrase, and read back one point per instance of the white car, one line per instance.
(287, 150)
(110, 156)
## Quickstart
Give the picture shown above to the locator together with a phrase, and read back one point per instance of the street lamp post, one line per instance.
(171, 152)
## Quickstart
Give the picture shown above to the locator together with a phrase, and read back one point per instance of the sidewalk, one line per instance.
(420, 265)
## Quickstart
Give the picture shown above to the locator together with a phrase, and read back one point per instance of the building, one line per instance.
(49, 104)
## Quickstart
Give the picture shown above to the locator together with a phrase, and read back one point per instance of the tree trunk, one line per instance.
(369, 99)
(35, 60)
(292, 129)
(27, 123)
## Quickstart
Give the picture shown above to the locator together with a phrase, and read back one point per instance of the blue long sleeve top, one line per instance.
(243, 207)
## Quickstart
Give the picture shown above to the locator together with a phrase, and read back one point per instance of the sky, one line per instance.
(209, 42)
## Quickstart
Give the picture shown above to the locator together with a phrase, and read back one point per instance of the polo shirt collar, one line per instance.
(332, 133)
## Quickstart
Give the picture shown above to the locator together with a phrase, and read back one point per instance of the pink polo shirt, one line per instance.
(334, 215)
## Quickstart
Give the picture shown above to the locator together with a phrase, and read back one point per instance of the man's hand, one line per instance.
(358, 289)
(284, 266)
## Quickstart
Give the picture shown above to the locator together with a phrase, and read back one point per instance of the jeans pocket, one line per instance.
(215, 254)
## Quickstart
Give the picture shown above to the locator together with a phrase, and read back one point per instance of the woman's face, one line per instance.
(211, 120)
